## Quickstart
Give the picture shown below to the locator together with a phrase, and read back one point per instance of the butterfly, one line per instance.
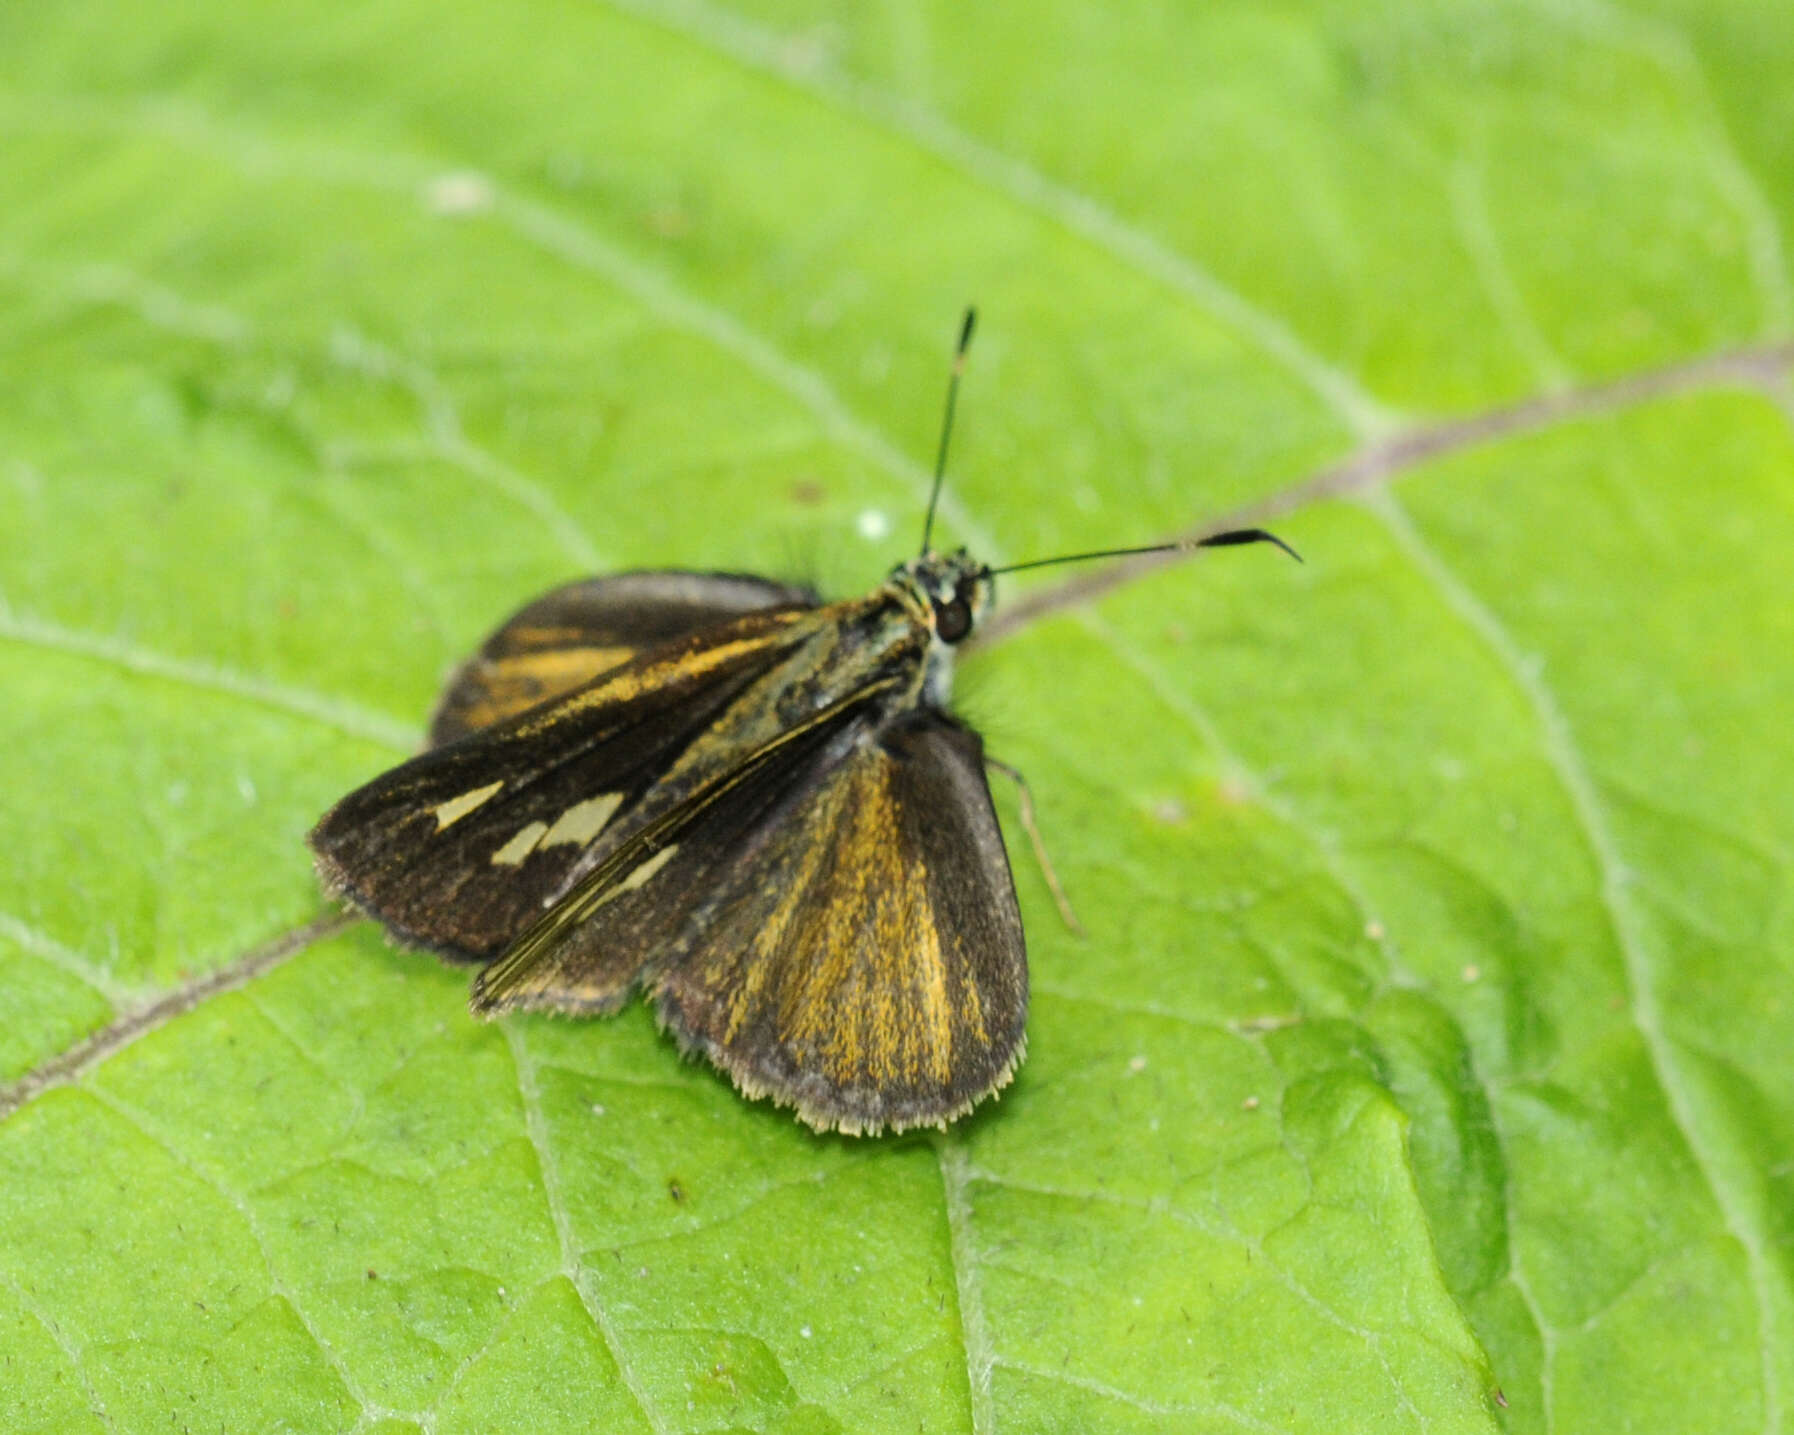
(752, 806)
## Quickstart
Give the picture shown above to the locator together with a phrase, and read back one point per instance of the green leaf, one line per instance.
(1429, 1064)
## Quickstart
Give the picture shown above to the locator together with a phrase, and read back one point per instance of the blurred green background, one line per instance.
(1429, 1064)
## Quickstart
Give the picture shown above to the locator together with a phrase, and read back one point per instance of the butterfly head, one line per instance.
(951, 593)
(956, 589)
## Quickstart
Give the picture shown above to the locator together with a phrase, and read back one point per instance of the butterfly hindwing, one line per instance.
(862, 958)
(460, 848)
(567, 637)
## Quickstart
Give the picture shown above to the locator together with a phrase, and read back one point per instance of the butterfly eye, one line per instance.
(952, 621)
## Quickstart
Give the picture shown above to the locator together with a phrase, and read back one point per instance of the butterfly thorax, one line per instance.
(847, 671)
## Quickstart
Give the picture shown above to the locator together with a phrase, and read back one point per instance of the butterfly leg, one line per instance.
(1026, 800)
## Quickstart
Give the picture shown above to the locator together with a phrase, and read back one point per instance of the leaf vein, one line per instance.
(65, 959)
(349, 719)
(277, 1284)
(1566, 760)
(1371, 468)
(1139, 1402)
(974, 1327)
(572, 1267)
(1669, 47)
(759, 49)
(27, 1302)
(119, 1033)
(163, 308)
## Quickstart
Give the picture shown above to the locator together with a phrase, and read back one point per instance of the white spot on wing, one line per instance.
(583, 821)
(639, 877)
(873, 524)
(520, 846)
(458, 807)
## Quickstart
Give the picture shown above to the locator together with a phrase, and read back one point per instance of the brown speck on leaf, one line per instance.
(807, 493)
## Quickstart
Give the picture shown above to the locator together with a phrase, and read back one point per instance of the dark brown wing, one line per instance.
(838, 932)
(588, 949)
(863, 960)
(461, 848)
(567, 637)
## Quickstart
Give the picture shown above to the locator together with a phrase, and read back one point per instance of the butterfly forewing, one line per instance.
(567, 637)
(459, 849)
(587, 951)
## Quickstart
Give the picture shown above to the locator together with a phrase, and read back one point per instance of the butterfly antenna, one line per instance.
(1183, 545)
(940, 460)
